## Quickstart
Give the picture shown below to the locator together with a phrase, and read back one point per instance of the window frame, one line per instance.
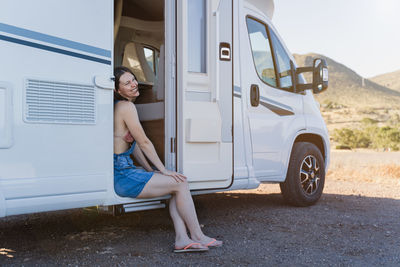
(278, 71)
(273, 52)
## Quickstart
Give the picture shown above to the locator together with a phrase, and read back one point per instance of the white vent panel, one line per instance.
(58, 102)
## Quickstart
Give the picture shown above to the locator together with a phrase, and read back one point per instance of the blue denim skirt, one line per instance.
(128, 180)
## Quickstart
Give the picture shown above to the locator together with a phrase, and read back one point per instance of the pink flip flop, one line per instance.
(212, 244)
(189, 248)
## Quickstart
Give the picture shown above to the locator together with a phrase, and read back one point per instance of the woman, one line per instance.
(137, 183)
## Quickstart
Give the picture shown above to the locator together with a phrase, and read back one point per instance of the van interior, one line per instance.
(139, 45)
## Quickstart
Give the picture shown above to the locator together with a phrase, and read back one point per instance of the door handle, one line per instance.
(104, 82)
(254, 95)
(224, 51)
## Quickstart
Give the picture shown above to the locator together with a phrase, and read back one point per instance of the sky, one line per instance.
(364, 35)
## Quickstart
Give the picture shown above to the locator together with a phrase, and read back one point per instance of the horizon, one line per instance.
(363, 28)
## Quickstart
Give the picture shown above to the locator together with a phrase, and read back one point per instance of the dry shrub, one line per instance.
(385, 173)
(388, 170)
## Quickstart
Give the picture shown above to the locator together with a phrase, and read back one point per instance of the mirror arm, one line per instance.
(303, 87)
(303, 69)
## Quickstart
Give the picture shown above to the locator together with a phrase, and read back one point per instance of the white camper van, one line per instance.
(221, 98)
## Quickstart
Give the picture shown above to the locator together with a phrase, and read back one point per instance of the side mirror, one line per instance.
(319, 76)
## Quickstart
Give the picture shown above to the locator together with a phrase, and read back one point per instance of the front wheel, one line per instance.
(305, 177)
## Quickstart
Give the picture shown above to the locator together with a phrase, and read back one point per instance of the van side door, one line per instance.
(57, 64)
(204, 92)
(274, 111)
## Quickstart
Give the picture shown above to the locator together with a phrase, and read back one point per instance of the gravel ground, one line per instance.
(356, 223)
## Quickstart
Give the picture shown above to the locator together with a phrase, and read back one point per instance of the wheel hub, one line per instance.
(309, 175)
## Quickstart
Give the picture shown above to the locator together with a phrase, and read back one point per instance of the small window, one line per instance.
(283, 63)
(261, 50)
(149, 55)
(197, 42)
(152, 57)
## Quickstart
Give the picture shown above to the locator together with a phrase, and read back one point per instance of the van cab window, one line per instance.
(283, 62)
(261, 50)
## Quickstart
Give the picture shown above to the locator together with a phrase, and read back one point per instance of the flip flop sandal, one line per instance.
(210, 244)
(189, 248)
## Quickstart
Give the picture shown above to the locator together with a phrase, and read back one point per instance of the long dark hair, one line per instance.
(118, 72)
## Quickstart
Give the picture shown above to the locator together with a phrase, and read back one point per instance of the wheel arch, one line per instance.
(314, 139)
(310, 137)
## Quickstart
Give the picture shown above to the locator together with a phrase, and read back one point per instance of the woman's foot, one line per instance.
(214, 243)
(209, 242)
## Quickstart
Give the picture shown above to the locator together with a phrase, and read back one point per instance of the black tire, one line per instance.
(305, 177)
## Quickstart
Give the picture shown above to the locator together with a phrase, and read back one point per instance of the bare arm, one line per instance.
(131, 119)
(141, 159)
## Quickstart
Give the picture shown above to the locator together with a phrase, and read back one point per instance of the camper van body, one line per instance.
(56, 100)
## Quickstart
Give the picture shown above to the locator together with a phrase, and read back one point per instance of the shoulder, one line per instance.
(125, 106)
(125, 110)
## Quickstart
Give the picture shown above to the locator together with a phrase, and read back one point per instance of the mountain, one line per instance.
(348, 88)
(390, 80)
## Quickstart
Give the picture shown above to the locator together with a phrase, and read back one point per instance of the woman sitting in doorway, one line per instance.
(137, 183)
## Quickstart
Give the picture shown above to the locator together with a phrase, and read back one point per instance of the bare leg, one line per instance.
(181, 206)
(181, 237)
(180, 227)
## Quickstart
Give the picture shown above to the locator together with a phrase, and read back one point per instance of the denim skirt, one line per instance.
(128, 180)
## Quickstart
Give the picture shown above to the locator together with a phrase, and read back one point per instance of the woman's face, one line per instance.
(128, 86)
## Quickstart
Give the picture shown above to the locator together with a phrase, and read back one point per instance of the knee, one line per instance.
(182, 186)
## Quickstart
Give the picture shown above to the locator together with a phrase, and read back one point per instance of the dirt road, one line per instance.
(356, 222)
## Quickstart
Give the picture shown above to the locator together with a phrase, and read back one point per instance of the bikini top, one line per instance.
(126, 137)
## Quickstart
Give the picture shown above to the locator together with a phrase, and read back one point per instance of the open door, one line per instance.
(57, 91)
(204, 92)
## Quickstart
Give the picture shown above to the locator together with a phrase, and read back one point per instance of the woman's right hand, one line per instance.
(176, 175)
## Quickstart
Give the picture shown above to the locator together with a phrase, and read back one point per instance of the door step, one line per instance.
(118, 210)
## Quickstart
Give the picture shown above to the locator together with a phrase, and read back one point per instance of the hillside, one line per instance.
(352, 104)
(348, 88)
(390, 80)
